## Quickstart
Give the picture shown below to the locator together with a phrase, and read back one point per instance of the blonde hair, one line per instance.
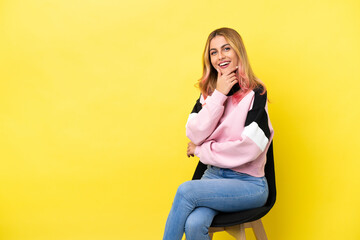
(247, 79)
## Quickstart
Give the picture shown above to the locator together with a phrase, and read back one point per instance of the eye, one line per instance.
(213, 53)
(227, 49)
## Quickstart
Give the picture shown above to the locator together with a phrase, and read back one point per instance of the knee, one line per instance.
(184, 190)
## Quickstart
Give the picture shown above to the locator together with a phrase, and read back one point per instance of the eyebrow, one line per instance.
(221, 47)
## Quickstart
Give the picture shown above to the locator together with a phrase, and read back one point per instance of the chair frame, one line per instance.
(238, 231)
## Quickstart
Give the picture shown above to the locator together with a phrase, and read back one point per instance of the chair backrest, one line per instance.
(269, 174)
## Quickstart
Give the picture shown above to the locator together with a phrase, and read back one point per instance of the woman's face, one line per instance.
(222, 55)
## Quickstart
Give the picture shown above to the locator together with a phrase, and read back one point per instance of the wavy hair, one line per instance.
(247, 79)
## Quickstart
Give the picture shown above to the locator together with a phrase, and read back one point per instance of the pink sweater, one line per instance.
(232, 136)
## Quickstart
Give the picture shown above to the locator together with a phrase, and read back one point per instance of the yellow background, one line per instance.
(95, 94)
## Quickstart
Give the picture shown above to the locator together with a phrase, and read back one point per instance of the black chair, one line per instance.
(236, 222)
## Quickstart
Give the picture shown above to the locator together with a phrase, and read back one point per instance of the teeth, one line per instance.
(222, 64)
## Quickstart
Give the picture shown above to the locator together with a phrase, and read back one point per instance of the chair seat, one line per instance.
(234, 218)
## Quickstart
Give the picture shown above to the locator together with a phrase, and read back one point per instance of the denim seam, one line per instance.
(249, 195)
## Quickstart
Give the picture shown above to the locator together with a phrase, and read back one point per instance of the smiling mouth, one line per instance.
(224, 64)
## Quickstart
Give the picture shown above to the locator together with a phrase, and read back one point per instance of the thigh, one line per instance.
(224, 195)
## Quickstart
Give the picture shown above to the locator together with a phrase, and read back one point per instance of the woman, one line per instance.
(229, 131)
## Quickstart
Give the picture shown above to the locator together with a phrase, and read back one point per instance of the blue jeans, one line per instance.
(219, 190)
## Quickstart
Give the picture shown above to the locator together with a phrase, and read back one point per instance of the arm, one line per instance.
(201, 125)
(254, 140)
(204, 119)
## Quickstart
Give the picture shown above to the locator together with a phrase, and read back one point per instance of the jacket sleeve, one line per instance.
(254, 140)
(204, 118)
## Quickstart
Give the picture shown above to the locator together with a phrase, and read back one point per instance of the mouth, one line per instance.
(224, 64)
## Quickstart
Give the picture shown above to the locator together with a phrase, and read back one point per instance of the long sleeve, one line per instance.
(252, 142)
(204, 118)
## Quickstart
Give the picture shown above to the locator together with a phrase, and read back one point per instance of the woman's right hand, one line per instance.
(226, 80)
(191, 149)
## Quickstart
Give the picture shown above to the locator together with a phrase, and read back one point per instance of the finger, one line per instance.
(233, 83)
(219, 72)
(233, 78)
(231, 75)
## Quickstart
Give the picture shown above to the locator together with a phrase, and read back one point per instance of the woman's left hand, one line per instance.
(191, 149)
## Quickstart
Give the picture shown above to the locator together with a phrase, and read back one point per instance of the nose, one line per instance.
(220, 56)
